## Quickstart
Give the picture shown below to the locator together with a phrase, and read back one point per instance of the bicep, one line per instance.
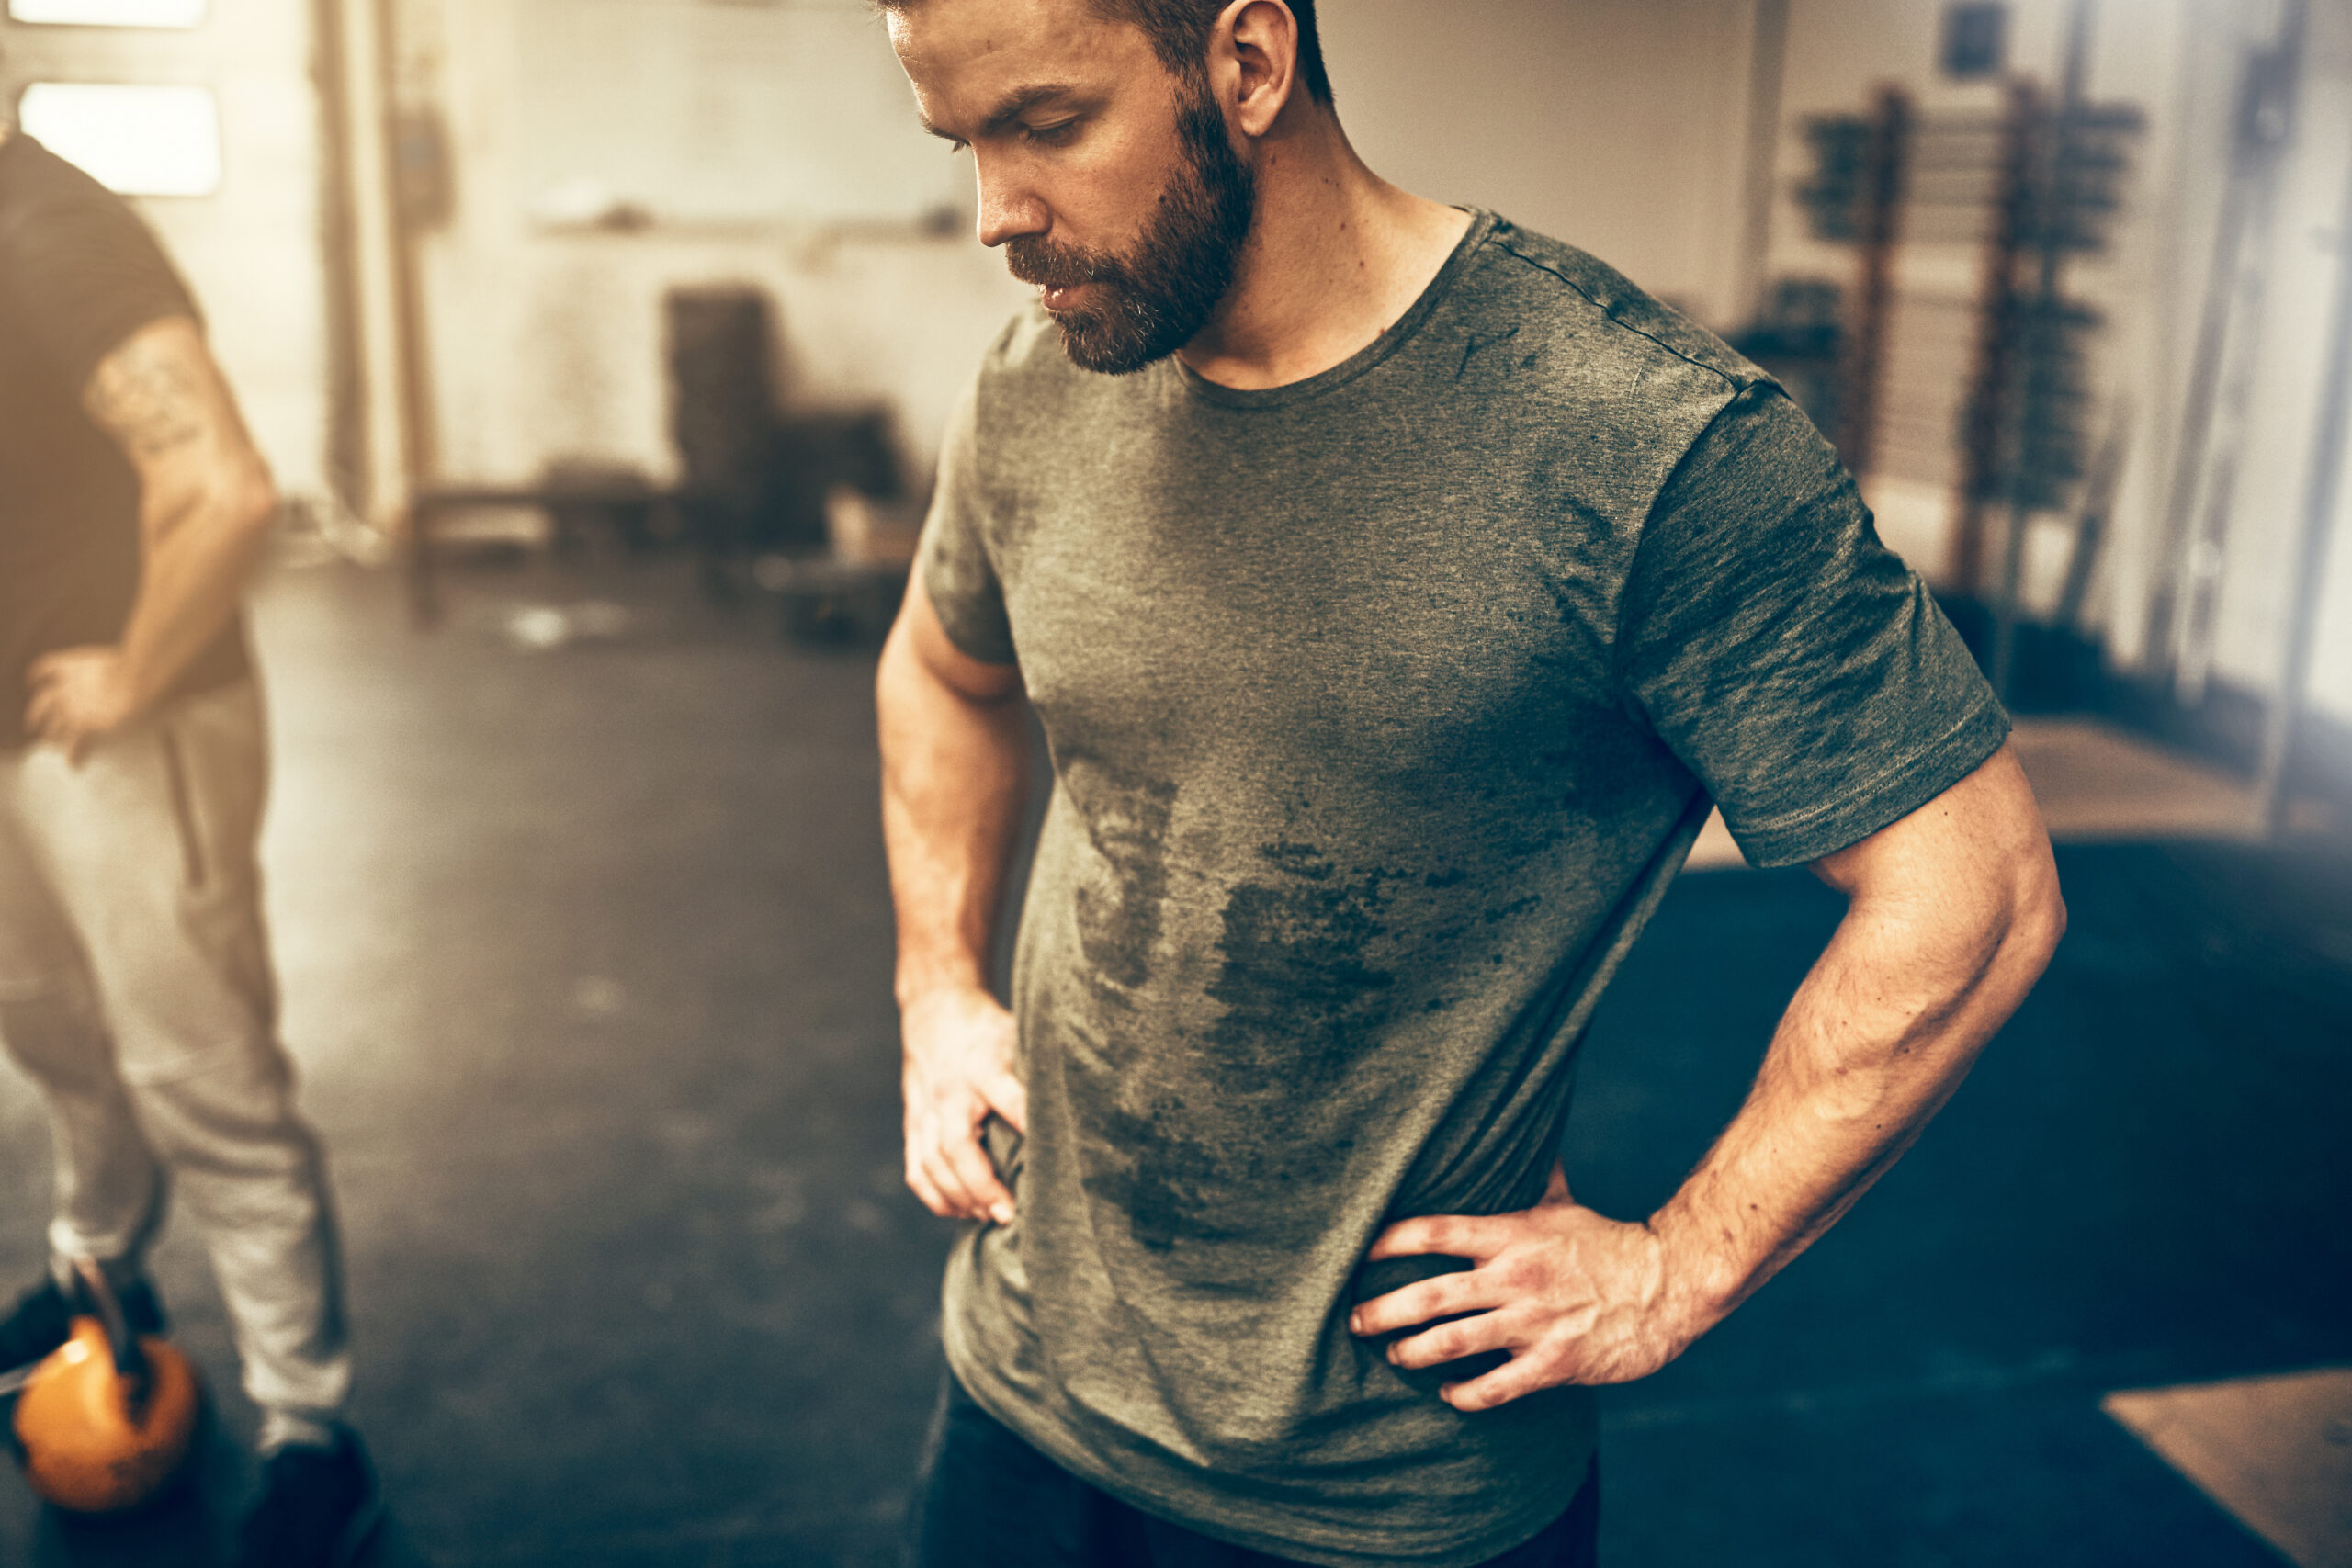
(165, 402)
(1971, 864)
(921, 647)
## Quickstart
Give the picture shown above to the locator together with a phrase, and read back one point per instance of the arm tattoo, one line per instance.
(151, 396)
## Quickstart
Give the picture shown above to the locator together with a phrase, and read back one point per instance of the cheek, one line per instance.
(1105, 191)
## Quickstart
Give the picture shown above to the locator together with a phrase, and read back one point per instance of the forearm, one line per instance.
(200, 551)
(954, 780)
(1953, 913)
(1877, 1039)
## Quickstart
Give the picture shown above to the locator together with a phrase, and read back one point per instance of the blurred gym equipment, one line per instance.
(109, 1419)
(758, 485)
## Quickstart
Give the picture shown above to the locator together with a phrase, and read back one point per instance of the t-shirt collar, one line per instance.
(1481, 225)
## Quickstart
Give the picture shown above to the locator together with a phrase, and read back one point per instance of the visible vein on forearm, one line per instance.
(151, 398)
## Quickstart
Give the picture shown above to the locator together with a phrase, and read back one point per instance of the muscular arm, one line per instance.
(955, 760)
(1953, 913)
(205, 504)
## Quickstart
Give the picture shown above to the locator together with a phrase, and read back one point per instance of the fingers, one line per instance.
(1455, 1235)
(919, 1183)
(40, 713)
(949, 1169)
(1514, 1379)
(51, 715)
(1443, 1296)
(1452, 1341)
(960, 1054)
(931, 1177)
(973, 1178)
(1555, 1191)
(1009, 1098)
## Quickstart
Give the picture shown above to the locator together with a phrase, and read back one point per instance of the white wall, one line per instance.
(251, 252)
(2259, 569)
(1611, 123)
(1616, 125)
(2155, 291)
(545, 341)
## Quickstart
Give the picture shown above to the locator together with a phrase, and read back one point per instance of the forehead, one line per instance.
(960, 51)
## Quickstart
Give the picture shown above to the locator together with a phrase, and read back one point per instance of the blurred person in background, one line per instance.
(135, 981)
(1395, 587)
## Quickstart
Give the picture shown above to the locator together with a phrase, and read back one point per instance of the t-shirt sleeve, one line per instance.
(83, 273)
(1791, 662)
(954, 558)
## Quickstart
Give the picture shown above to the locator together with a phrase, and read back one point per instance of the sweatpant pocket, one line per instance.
(193, 864)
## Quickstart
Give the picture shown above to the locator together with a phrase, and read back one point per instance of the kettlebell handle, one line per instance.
(129, 1359)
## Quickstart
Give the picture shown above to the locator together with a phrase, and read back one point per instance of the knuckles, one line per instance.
(1470, 1396)
(1525, 1274)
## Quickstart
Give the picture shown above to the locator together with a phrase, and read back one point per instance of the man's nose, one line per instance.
(1008, 207)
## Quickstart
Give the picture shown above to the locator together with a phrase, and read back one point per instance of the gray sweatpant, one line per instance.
(136, 989)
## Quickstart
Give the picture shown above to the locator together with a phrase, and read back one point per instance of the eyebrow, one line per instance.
(1010, 108)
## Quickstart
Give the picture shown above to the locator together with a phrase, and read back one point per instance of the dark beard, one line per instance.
(1163, 294)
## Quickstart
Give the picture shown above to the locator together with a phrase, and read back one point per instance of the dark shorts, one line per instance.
(987, 1499)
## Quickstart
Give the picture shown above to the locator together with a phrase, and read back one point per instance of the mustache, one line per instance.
(1039, 262)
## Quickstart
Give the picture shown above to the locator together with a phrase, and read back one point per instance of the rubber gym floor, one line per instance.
(585, 950)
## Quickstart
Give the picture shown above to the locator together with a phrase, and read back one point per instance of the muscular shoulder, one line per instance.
(1567, 327)
(1553, 366)
(52, 214)
(1596, 297)
(78, 268)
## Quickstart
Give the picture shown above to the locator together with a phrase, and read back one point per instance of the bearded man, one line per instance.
(1396, 589)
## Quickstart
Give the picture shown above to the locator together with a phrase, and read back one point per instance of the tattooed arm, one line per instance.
(205, 506)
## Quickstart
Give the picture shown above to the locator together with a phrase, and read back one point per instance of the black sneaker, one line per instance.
(316, 1510)
(44, 1318)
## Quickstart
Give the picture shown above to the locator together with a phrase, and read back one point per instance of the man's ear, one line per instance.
(1253, 62)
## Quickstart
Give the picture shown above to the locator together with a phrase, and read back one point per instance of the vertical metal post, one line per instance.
(1766, 66)
(1987, 433)
(416, 395)
(347, 457)
(2284, 718)
(2048, 225)
(417, 456)
(2261, 120)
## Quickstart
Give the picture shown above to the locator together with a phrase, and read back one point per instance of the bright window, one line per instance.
(109, 12)
(141, 140)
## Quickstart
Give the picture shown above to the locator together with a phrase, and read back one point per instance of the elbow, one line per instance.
(2037, 915)
(250, 502)
(232, 505)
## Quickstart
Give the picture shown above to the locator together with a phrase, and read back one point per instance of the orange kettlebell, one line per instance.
(109, 1417)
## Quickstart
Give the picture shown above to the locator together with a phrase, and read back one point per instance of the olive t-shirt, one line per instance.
(79, 273)
(1382, 707)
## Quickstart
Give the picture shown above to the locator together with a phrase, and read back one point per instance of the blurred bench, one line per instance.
(627, 505)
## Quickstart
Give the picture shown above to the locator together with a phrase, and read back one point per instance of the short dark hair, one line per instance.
(1179, 31)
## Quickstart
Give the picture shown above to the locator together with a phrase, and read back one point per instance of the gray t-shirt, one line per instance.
(1383, 708)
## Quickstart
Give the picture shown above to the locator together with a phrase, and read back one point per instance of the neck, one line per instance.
(1336, 254)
